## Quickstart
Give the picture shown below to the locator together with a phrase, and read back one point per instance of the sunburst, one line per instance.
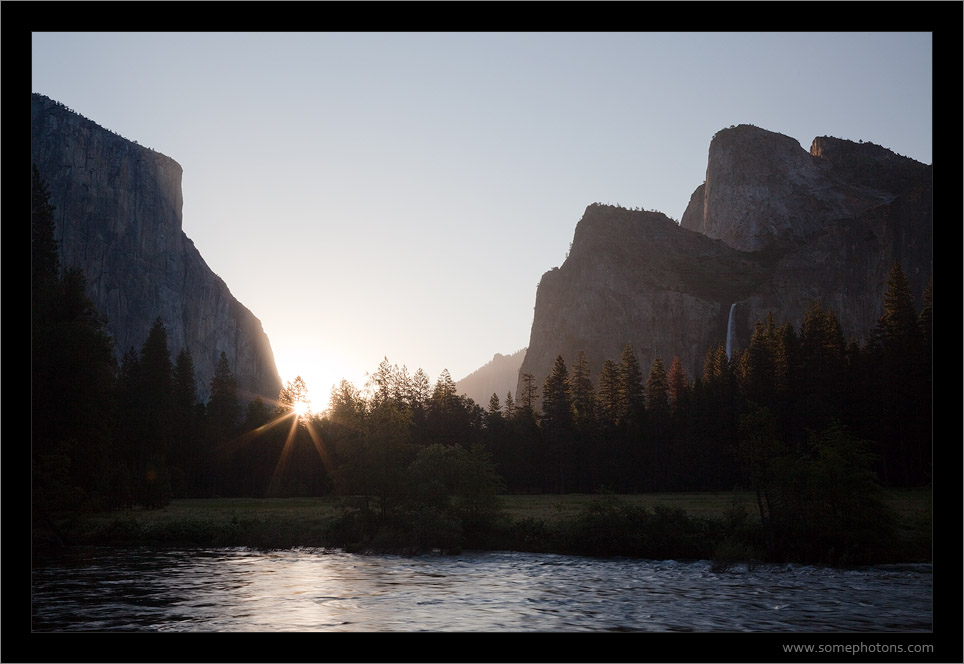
(294, 406)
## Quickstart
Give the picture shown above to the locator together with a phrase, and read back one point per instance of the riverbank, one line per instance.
(719, 526)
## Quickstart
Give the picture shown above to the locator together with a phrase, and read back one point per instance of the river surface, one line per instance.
(311, 590)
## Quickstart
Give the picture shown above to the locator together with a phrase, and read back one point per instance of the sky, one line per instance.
(400, 195)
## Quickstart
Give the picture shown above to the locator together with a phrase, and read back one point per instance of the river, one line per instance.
(311, 590)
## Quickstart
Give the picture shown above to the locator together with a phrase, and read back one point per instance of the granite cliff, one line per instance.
(770, 229)
(498, 377)
(118, 218)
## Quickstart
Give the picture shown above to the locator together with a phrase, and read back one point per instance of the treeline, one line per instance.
(632, 431)
(109, 435)
(796, 403)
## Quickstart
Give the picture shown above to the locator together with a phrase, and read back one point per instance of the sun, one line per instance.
(320, 369)
(302, 408)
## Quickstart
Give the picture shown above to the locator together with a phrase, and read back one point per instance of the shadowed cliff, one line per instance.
(118, 218)
(770, 229)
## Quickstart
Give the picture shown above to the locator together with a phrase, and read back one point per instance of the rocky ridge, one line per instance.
(498, 377)
(770, 229)
(118, 218)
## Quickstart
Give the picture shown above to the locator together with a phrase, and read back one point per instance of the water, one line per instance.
(245, 590)
(730, 330)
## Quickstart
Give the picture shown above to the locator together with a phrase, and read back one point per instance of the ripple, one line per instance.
(317, 590)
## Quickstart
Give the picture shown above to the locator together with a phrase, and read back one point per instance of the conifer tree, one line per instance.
(657, 388)
(821, 350)
(925, 319)
(224, 409)
(155, 396)
(901, 385)
(293, 393)
(631, 389)
(529, 395)
(187, 429)
(677, 384)
(556, 408)
(527, 435)
(583, 394)
(657, 451)
(898, 330)
(256, 414)
(608, 395)
(72, 374)
(557, 424)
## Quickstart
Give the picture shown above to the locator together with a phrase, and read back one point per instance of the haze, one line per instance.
(400, 194)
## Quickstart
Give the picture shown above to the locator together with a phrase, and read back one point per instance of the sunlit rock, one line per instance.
(771, 228)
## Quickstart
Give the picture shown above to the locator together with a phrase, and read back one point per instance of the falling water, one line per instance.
(729, 333)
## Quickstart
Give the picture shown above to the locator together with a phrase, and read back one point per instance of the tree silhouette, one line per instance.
(224, 409)
(293, 393)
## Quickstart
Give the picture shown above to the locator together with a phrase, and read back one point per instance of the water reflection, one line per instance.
(313, 590)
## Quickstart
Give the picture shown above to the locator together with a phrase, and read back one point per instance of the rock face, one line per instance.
(497, 377)
(118, 218)
(772, 228)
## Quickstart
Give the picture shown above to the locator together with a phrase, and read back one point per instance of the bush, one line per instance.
(826, 505)
(434, 529)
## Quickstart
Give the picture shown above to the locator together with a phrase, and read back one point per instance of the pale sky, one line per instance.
(400, 195)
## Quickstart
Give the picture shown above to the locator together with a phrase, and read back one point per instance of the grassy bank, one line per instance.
(708, 525)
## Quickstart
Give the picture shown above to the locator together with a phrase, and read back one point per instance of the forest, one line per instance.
(805, 418)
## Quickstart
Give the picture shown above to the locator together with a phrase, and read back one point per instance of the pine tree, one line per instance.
(925, 319)
(509, 404)
(420, 389)
(902, 384)
(658, 425)
(529, 395)
(632, 392)
(256, 415)
(156, 417)
(557, 426)
(444, 395)
(72, 374)
(583, 394)
(677, 384)
(292, 396)
(897, 330)
(608, 395)
(556, 408)
(187, 429)
(223, 406)
(657, 389)
(527, 436)
(185, 382)
(821, 348)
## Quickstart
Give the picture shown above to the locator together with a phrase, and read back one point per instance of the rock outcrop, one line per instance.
(496, 377)
(762, 188)
(771, 229)
(118, 218)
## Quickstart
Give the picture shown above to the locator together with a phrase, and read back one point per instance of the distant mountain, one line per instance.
(497, 377)
(118, 218)
(771, 228)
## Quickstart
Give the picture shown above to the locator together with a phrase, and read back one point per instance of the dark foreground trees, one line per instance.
(72, 376)
(807, 419)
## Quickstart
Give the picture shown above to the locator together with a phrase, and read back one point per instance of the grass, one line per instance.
(557, 507)
(291, 522)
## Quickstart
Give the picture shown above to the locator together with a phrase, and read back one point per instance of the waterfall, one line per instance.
(730, 324)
